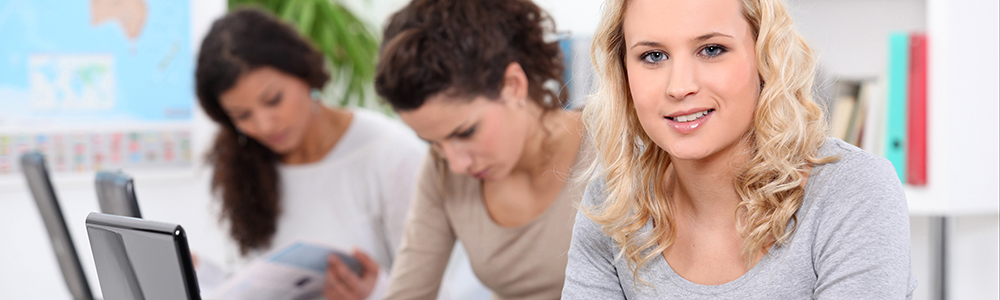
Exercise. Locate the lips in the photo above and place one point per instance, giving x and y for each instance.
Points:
(277, 138)
(684, 117)
(481, 174)
(688, 121)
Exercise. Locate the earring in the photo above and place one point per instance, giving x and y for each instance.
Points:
(315, 94)
(521, 104)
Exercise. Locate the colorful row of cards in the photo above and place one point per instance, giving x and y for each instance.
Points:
(86, 152)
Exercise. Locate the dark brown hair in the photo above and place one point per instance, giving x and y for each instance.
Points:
(245, 173)
(463, 48)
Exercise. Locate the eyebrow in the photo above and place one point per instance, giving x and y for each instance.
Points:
(450, 135)
(696, 39)
(710, 35)
(647, 43)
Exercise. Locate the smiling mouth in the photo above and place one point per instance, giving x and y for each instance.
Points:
(691, 117)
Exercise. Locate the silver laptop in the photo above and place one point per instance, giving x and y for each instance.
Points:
(37, 177)
(139, 259)
(116, 194)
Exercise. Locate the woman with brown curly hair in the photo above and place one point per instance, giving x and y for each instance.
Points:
(715, 178)
(471, 78)
(285, 166)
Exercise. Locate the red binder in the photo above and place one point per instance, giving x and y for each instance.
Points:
(916, 160)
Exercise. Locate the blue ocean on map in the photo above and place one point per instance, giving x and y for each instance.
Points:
(66, 63)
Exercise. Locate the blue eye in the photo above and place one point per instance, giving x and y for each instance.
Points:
(653, 57)
(713, 50)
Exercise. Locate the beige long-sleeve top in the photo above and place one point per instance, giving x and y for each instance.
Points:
(526, 262)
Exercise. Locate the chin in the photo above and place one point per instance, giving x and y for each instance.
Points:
(280, 149)
(687, 150)
(687, 155)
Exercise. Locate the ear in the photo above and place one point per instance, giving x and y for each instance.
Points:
(515, 85)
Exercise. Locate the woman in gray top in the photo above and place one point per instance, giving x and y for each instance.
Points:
(714, 178)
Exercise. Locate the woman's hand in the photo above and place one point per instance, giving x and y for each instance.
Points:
(342, 284)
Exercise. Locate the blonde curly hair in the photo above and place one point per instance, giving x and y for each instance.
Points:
(787, 130)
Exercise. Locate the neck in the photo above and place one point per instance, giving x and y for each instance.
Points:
(703, 189)
(324, 129)
(559, 132)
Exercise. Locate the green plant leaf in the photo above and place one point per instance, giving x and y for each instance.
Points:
(347, 42)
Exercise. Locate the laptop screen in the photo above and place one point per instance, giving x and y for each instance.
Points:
(37, 177)
(141, 259)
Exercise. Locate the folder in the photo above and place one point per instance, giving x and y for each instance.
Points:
(896, 102)
(916, 154)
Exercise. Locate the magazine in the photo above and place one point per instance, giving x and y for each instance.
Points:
(295, 272)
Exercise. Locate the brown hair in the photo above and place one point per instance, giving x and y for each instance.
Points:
(245, 173)
(463, 48)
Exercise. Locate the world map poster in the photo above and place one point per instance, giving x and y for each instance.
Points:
(96, 84)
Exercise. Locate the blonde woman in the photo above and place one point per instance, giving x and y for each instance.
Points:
(714, 178)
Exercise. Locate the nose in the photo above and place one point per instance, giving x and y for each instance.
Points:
(458, 159)
(683, 79)
(264, 121)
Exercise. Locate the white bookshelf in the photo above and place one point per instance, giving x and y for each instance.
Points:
(851, 37)
(954, 217)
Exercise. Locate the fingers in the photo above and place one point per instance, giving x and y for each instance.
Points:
(343, 275)
(369, 265)
(333, 288)
(342, 283)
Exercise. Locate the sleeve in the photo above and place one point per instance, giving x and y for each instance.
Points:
(427, 242)
(590, 270)
(862, 248)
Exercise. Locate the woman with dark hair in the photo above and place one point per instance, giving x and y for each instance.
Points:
(287, 167)
(471, 77)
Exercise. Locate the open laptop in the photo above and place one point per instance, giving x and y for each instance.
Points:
(116, 194)
(139, 259)
(37, 177)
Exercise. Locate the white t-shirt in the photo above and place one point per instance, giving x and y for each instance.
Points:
(358, 194)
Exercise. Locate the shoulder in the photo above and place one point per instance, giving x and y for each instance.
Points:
(858, 183)
(594, 194)
(594, 197)
(854, 170)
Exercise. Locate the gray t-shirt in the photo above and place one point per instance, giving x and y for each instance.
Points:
(852, 242)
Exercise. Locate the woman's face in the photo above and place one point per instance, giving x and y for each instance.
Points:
(271, 107)
(483, 138)
(692, 73)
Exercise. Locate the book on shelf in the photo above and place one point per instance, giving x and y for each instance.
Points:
(849, 111)
(843, 111)
(897, 97)
(872, 138)
(916, 151)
